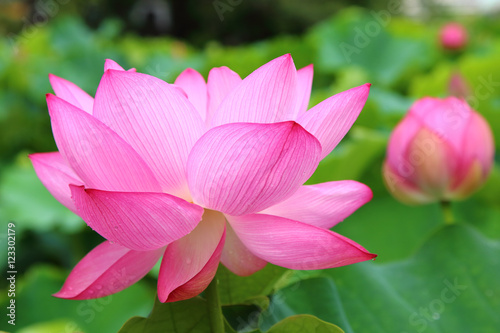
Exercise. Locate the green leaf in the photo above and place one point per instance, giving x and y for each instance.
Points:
(296, 299)
(242, 317)
(355, 38)
(304, 324)
(352, 157)
(189, 316)
(52, 327)
(234, 289)
(107, 314)
(24, 200)
(449, 285)
(376, 224)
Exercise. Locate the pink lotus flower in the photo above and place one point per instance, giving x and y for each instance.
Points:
(442, 150)
(199, 173)
(453, 36)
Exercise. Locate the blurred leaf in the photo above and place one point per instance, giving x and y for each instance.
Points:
(243, 318)
(304, 324)
(351, 158)
(52, 327)
(434, 84)
(357, 38)
(189, 316)
(482, 209)
(24, 200)
(234, 289)
(296, 299)
(390, 107)
(389, 228)
(450, 285)
(96, 315)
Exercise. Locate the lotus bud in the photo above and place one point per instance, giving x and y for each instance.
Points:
(453, 36)
(442, 150)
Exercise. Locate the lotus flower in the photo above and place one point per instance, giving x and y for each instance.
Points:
(441, 151)
(196, 173)
(453, 36)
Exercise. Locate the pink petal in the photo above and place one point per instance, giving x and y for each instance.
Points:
(243, 168)
(56, 175)
(323, 205)
(139, 221)
(294, 244)
(71, 93)
(107, 269)
(111, 64)
(221, 81)
(435, 162)
(399, 142)
(448, 118)
(196, 89)
(237, 258)
(97, 154)
(267, 95)
(157, 121)
(468, 183)
(404, 190)
(190, 263)
(330, 120)
(304, 85)
(478, 144)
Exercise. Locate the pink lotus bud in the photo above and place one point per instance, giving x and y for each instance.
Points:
(458, 86)
(453, 36)
(442, 150)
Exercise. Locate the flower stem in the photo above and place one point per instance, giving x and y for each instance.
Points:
(214, 307)
(447, 212)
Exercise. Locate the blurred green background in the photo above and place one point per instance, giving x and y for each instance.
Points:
(348, 45)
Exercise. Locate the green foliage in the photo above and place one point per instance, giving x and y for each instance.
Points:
(304, 324)
(248, 287)
(39, 312)
(188, 316)
(20, 185)
(191, 316)
(450, 284)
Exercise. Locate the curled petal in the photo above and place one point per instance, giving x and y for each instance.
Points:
(323, 205)
(107, 269)
(237, 258)
(294, 244)
(97, 154)
(56, 176)
(155, 119)
(221, 81)
(139, 221)
(267, 95)
(243, 168)
(111, 64)
(330, 120)
(304, 85)
(196, 89)
(71, 93)
(190, 263)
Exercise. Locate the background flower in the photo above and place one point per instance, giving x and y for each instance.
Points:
(453, 36)
(442, 150)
